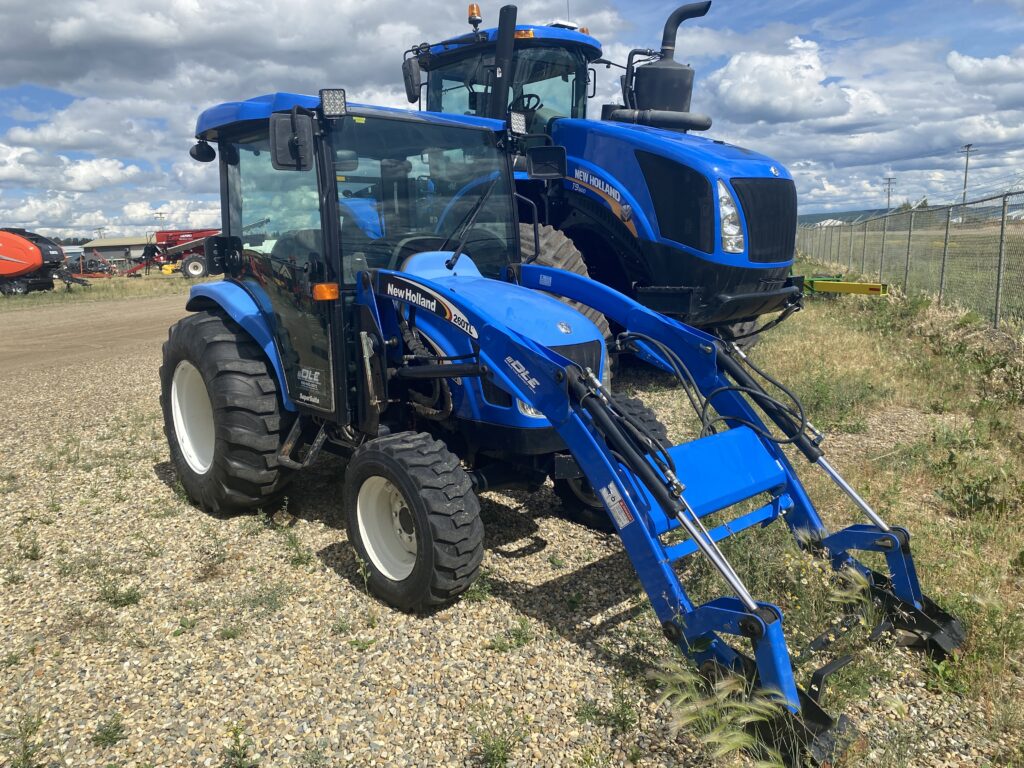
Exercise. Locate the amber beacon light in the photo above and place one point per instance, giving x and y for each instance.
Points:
(474, 14)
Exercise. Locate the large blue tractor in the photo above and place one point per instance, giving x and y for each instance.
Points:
(688, 226)
(375, 304)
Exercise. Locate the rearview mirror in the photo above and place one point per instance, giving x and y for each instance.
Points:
(291, 141)
(346, 160)
(546, 163)
(413, 79)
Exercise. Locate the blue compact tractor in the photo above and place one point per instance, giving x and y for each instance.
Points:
(376, 303)
(688, 226)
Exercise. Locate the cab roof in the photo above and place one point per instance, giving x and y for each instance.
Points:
(539, 35)
(211, 121)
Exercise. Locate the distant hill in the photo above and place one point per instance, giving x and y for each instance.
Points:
(810, 219)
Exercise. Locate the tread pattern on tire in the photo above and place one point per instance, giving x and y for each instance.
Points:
(573, 508)
(557, 250)
(453, 510)
(250, 423)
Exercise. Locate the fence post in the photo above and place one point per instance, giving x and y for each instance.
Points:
(945, 252)
(1002, 257)
(881, 256)
(906, 268)
(864, 251)
(839, 245)
(849, 256)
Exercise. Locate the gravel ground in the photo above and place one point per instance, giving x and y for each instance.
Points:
(142, 631)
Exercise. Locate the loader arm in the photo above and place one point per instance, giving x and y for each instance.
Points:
(648, 492)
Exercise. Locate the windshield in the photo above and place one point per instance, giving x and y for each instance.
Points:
(405, 187)
(548, 82)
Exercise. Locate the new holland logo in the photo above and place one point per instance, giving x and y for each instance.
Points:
(421, 296)
(774, 170)
(565, 328)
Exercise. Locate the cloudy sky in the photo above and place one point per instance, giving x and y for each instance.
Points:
(98, 98)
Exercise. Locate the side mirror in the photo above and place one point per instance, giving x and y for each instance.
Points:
(291, 141)
(591, 83)
(223, 254)
(202, 152)
(413, 79)
(346, 160)
(546, 163)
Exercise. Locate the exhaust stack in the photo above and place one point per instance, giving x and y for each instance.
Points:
(677, 17)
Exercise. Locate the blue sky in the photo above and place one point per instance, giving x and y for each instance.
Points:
(98, 99)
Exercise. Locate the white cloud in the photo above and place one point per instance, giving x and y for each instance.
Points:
(997, 69)
(778, 87)
(88, 175)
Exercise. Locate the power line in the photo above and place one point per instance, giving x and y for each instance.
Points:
(889, 180)
(965, 150)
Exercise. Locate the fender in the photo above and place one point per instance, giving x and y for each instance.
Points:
(244, 309)
(598, 184)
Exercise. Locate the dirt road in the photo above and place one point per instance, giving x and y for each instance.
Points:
(45, 337)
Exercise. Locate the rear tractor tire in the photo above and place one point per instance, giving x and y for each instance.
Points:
(413, 519)
(580, 503)
(194, 267)
(223, 417)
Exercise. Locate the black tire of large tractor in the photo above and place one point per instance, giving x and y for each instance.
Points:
(414, 520)
(741, 330)
(557, 250)
(579, 502)
(194, 267)
(223, 416)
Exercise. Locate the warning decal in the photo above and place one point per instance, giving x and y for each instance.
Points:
(617, 507)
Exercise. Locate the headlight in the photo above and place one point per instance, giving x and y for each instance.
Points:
(526, 410)
(732, 232)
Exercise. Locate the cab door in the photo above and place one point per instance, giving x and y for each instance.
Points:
(277, 215)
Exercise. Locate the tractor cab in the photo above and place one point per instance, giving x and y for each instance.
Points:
(551, 77)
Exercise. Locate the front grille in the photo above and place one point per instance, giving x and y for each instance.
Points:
(769, 207)
(682, 201)
(585, 355)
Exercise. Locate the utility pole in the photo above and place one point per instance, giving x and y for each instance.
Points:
(159, 216)
(966, 150)
(99, 232)
(889, 180)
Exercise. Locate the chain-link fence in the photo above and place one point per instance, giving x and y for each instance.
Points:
(971, 255)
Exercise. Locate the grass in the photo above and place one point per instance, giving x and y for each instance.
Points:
(119, 597)
(236, 753)
(496, 744)
(269, 598)
(621, 716)
(109, 732)
(512, 638)
(481, 589)
(105, 289)
(298, 555)
(25, 745)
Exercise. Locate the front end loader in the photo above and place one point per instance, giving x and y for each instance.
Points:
(382, 311)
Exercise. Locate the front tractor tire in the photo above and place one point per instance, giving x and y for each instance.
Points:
(580, 503)
(414, 520)
(223, 417)
(194, 267)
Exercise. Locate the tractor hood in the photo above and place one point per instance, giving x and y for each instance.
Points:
(712, 157)
(538, 316)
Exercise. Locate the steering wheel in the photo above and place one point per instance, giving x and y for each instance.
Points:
(400, 247)
(527, 102)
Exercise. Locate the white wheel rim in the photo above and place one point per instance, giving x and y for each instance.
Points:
(195, 268)
(192, 413)
(387, 528)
